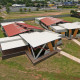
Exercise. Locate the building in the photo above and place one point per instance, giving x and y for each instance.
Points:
(37, 45)
(50, 23)
(22, 38)
(70, 30)
(73, 29)
(18, 5)
(15, 28)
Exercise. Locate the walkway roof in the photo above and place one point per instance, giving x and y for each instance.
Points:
(39, 38)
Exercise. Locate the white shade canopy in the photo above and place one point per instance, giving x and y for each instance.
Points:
(58, 29)
(39, 38)
(70, 25)
(13, 44)
(8, 39)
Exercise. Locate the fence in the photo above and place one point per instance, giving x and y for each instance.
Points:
(32, 18)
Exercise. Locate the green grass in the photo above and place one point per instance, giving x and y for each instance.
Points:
(70, 47)
(33, 23)
(78, 39)
(16, 15)
(56, 67)
(34, 12)
(71, 19)
(1, 34)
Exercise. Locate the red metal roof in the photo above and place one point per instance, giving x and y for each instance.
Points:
(14, 29)
(49, 20)
(29, 26)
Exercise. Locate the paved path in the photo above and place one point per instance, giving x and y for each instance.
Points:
(76, 41)
(69, 56)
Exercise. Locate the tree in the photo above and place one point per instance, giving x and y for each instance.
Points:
(29, 9)
(25, 9)
(27, 4)
(9, 4)
(38, 5)
(0, 8)
(8, 10)
(1, 19)
(21, 10)
(37, 9)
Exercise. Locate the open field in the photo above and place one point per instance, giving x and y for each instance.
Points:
(71, 19)
(16, 15)
(56, 67)
(32, 23)
(1, 34)
(71, 47)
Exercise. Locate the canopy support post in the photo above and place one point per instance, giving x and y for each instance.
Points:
(75, 33)
(70, 33)
(50, 46)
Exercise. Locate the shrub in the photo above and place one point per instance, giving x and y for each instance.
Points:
(29, 9)
(46, 11)
(21, 10)
(8, 10)
(1, 18)
(25, 9)
(37, 9)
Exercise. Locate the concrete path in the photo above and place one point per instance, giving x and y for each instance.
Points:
(69, 56)
(76, 41)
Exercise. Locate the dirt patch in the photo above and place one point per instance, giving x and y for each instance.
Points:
(44, 14)
(11, 16)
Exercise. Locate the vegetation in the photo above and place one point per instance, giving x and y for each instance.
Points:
(21, 10)
(71, 19)
(74, 13)
(7, 9)
(56, 67)
(9, 4)
(1, 18)
(67, 6)
(1, 33)
(26, 2)
(0, 8)
(70, 47)
(29, 9)
(25, 9)
(37, 9)
(16, 15)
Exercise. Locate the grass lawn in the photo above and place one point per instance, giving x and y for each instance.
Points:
(1, 34)
(79, 39)
(32, 23)
(15, 15)
(56, 67)
(71, 47)
(71, 19)
(25, 14)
